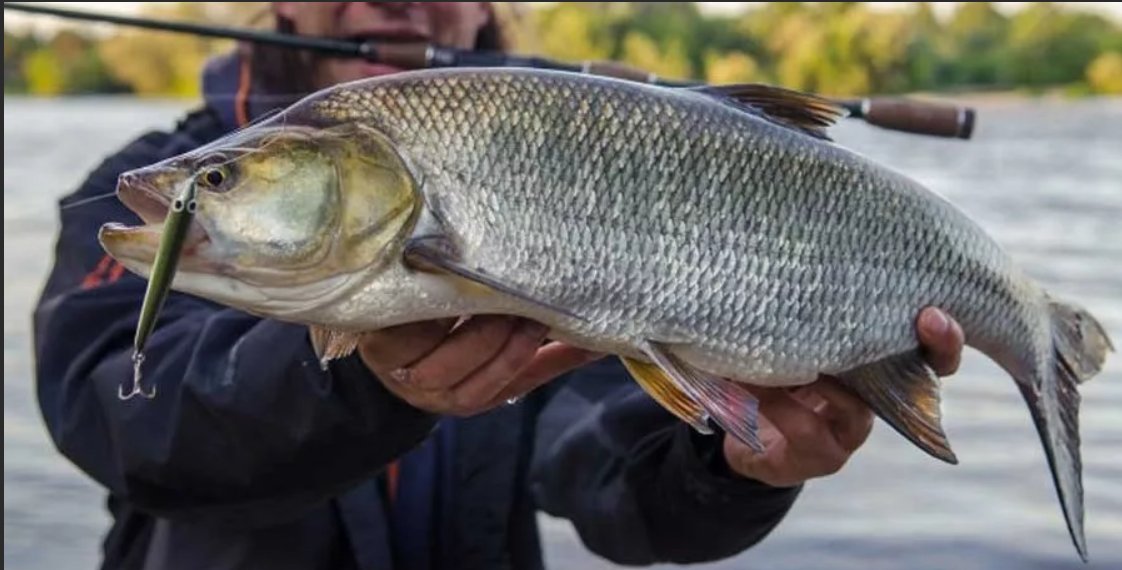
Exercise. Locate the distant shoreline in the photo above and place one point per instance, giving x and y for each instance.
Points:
(1009, 96)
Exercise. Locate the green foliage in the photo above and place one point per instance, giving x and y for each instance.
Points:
(43, 72)
(68, 63)
(840, 48)
(1104, 75)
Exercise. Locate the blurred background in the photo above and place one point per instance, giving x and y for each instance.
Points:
(840, 48)
(1043, 173)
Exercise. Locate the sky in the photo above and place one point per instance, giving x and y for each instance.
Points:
(1108, 8)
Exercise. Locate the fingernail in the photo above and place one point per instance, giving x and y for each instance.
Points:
(938, 322)
(400, 375)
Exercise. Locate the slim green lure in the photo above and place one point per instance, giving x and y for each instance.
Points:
(174, 235)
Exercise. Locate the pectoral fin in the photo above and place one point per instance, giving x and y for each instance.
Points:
(430, 249)
(734, 408)
(667, 393)
(331, 344)
(905, 392)
(431, 253)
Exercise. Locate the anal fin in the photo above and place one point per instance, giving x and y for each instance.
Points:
(667, 393)
(331, 344)
(730, 405)
(905, 392)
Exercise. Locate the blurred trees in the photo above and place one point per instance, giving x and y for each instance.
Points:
(1104, 75)
(839, 48)
(162, 63)
(66, 63)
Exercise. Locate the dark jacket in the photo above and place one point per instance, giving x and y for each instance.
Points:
(251, 457)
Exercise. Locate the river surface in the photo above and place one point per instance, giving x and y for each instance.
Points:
(1044, 178)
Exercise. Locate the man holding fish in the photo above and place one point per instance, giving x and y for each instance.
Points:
(435, 443)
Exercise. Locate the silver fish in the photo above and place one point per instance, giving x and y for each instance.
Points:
(711, 237)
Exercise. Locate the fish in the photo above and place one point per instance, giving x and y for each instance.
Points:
(713, 238)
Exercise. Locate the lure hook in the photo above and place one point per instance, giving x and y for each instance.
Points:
(137, 359)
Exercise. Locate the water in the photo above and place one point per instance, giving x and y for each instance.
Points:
(1046, 179)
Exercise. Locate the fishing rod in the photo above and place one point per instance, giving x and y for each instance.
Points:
(893, 113)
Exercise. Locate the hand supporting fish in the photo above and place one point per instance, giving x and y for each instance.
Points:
(813, 430)
(467, 369)
(175, 230)
(464, 370)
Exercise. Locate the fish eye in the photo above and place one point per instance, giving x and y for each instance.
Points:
(213, 176)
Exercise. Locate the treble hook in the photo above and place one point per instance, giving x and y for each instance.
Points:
(137, 359)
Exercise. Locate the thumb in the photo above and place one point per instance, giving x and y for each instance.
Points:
(942, 340)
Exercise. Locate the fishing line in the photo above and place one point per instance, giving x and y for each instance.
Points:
(85, 201)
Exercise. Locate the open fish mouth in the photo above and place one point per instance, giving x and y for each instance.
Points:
(135, 246)
(144, 201)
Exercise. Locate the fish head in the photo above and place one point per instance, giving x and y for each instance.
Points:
(285, 214)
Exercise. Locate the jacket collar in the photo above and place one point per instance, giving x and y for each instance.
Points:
(228, 88)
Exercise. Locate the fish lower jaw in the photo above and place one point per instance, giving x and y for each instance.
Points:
(203, 272)
(136, 246)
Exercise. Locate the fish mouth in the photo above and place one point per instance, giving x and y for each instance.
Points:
(135, 246)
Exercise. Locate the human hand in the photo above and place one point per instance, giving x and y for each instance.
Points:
(813, 430)
(467, 369)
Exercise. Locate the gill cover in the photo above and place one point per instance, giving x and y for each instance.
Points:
(295, 204)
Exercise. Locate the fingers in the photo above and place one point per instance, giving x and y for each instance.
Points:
(942, 340)
(475, 344)
(821, 425)
(849, 418)
(480, 390)
(812, 432)
(536, 369)
(394, 347)
(812, 448)
(548, 363)
(469, 367)
(478, 365)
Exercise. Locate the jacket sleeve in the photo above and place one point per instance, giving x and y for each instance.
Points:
(639, 486)
(245, 427)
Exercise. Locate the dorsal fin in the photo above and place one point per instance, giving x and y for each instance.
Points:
(799, 110)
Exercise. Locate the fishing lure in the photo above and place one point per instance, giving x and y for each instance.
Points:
(175, 230)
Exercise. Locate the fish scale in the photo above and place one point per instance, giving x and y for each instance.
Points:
(713, 238)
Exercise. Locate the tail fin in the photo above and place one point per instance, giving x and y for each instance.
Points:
(1079, 348)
